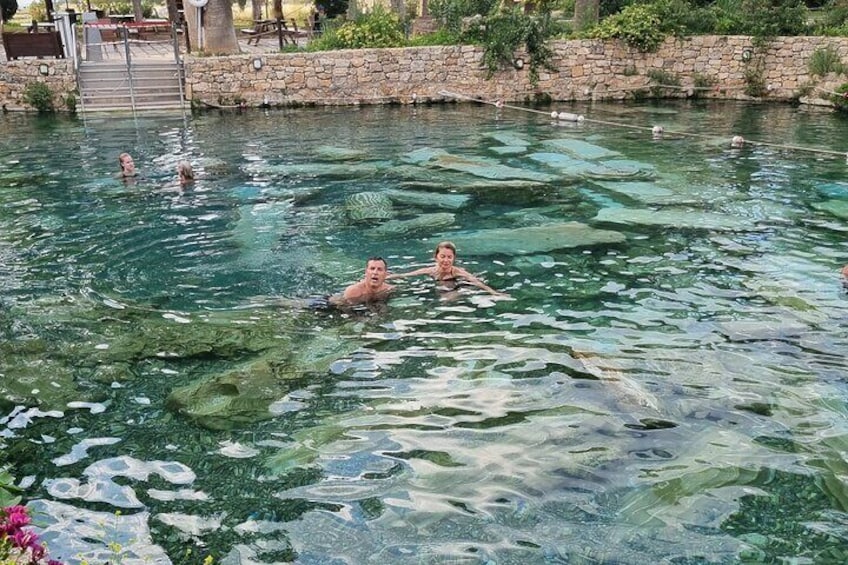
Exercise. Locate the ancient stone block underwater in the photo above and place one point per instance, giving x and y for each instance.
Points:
(668, 383)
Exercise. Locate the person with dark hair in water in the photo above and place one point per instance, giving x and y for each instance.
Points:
(845, 278)
(446, 273)
(372, 287)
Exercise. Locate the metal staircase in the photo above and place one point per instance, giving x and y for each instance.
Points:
(118, 71)
(142, 85)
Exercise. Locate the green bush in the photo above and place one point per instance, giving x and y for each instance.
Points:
(759, 18)
(71, 102)
(440, 37)
(833, 19)
(39, 96)
(147, 8)
(38, 11)
(503, 32)
(662, 80)
(638, 25)
(840, 98)
(377, 28)
(451, 12)
(755, 80)
(825, 60)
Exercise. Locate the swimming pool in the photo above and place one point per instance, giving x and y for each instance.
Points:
(668, 383)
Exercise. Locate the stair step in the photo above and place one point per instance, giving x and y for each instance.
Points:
(106, 86)
(125, 83)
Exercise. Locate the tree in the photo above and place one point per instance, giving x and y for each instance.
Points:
(585, 13)
(8, 8)
(219, 33)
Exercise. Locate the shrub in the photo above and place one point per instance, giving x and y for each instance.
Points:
(825, 60)
(840, 98)
(377, 28)
(39, 96)
(833, 20)
(638, 25)
(755, 80)
(147, 8)
(451, 12)
(662, 80)
(440, 37)
(71, 102)
(759, 18)
(503, 32)
(701, 83)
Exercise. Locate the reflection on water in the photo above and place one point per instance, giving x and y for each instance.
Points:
(668, 384)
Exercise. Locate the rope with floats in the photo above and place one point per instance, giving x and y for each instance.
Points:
(736, 141)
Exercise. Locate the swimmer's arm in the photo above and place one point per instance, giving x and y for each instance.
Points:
(476, 282)
(415, 273)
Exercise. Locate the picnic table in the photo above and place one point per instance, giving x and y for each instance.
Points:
(268, 27)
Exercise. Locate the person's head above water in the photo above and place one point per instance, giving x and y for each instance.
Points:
(127, 164)
(372, 287)
(376, 270)
(185, 171)
(445, 255)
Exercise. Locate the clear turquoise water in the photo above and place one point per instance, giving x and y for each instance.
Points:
(678, 396)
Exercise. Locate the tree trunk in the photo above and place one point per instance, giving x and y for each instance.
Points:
(585, 14)
(137, 10)
(256, 8)
(219, 35)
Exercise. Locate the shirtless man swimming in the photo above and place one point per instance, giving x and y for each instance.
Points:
(372, 287)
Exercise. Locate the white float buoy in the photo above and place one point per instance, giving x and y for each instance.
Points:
(568, 116)
(737, 141)
(554, 114)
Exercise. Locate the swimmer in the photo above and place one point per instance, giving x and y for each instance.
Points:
(444, 271)
(845, 278)
(127, 165)
(185, 172)
(372, 287)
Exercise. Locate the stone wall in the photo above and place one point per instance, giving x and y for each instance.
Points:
(711, 66)
(16, 75)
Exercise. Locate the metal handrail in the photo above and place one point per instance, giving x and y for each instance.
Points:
(179, 61)
(126, 37)
(77, 64)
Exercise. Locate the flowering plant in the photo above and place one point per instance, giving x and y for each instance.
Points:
(18, 545)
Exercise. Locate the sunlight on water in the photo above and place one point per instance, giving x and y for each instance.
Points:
(665, 383)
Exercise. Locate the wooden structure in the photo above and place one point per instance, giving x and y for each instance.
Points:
(39, 44)
(285, 32)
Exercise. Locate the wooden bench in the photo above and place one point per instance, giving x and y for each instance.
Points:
(39, 44)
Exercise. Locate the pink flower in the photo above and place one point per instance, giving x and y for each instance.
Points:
(24, 540)
(23, 543)
(16, 516)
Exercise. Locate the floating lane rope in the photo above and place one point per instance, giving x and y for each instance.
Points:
(656, 131)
